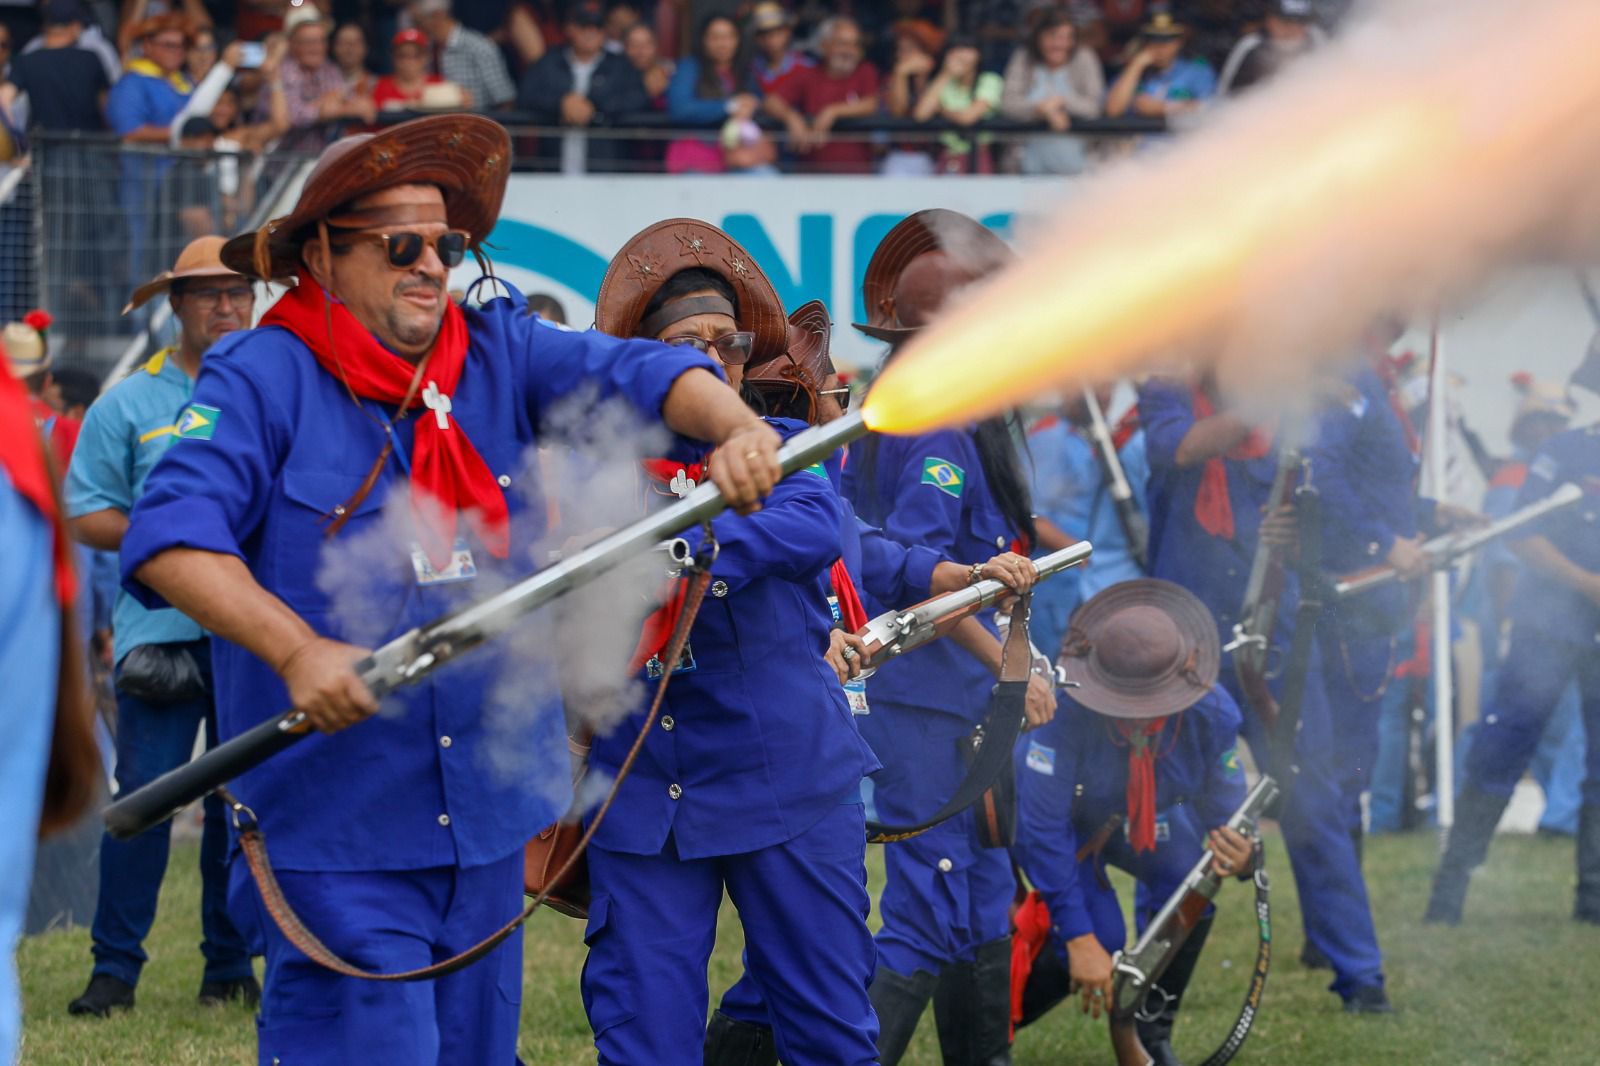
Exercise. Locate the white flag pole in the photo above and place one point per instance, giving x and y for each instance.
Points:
(1443, 667)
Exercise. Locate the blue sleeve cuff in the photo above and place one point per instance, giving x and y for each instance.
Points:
(197, 523)
(1069, 918)
(920, 562)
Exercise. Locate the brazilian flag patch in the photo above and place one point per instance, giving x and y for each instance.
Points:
(818, 469)
(1230, 761)
(943, 475)
(198, 422)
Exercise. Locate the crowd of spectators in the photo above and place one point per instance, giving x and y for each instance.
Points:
(775, 86)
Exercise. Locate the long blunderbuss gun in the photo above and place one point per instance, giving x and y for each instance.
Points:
(1443, 551)
(894, 633)
(1251, 640)
(1137, 970)
(413, 655)
(1129, 514)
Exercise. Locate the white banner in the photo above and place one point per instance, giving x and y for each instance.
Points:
(812, 236)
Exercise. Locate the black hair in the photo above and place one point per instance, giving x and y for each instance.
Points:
(547, 307)
(709, 86)
(1053, 19)
(79, 387)
(694, 279)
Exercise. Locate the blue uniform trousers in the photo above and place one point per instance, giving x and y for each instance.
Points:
(803, 905)
(1558, 765)
(943, 895)
(152, 739)
(389, 920)
(1320, 817)
(1533, 676)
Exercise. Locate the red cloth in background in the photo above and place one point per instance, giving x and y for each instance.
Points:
(814, 89)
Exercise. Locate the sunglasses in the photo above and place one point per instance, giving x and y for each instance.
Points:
(404, 249)
(841, 396)
(732, 348)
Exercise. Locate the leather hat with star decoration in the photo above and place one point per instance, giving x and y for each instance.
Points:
(653, 255)
(467, 157)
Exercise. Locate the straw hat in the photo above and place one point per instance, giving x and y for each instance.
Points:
(200, 258)
(1141, 649)
(25, 351)
(467, 157)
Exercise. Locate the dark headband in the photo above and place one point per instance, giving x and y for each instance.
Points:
(678, 310)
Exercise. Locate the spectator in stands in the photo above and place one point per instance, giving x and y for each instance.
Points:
(1159, 81)
(531, 28)
(644, 52)
(65, 84)
(621, 18)
(153, 88)
(1285, 36)
(465, 56)
(582, 86)
(844, 86)
(91, 37)
(776, 63)
(548, 308)
(1054, 79)
(27, 351)
(403, 90)
(964, 94)
(917, 44)
(350, 56)
(202, 54)
(712, 86)
(135, 12)
(318, 103)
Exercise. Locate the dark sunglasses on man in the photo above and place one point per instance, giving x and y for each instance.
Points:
(732, 348)
(404, 249)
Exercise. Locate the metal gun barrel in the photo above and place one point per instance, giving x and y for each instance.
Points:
(412, 655)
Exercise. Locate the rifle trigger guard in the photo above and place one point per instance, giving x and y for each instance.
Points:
(1145, 1013)
(1243, 639)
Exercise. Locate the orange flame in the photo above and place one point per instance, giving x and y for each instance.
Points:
(1375, 176)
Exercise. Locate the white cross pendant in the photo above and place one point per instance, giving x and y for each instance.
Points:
(438, 403)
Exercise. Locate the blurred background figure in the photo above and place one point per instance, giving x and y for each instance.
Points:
(548, 308)
(1160, 81)
(1054, 78)
(1286, 34)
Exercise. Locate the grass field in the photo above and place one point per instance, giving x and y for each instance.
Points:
(1516, 986)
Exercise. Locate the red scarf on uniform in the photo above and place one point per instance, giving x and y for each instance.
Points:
(1142, 739)
(660, 623)
(445, 468)
(22, 456)
(1212, 507)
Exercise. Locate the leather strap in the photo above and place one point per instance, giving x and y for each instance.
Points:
(254, 846)
(1258, 977)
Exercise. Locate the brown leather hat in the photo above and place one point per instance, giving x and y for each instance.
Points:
(806, 365)
(653, 255)
(1141, 649)
(919, 263)
(199, 259)
(468, 157)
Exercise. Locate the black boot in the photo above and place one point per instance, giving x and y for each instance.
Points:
(730, 1042)
(972, 1008)
(1049, 983)
(1586, 908)
(247, 990)
(1477, 814)
(104, 995)
(1167, 995)
(899, 1002)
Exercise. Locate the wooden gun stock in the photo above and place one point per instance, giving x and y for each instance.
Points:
(1126, 1043)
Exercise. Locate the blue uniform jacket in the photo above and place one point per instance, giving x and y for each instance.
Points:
(1213, 568)
(756, 743)
(1541, 602)
(426, 782)
(1072, 777)
(930, 490)
(1366, 473)
(885, 571)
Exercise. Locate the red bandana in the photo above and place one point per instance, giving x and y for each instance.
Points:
(23, 457)
(445, 467)
(1031, 932)
(1212, 507)
(852, 615)
(658, 627)
(1142, 738)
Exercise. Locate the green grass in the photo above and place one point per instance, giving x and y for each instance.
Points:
(1515, 986)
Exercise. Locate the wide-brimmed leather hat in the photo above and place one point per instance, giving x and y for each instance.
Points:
(805, 367)
(919, 263)
(467, 157)
(200, 258)
(653, 255)
(1141, 649)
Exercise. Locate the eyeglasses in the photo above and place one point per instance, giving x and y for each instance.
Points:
(157, 42)
(841, 396)
(404, 249)
(732, 348)
(211, 297)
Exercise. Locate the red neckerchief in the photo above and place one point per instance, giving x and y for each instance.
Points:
(1142, 739)
(1031, 922)
(1125, 428)
(445, 467)
(23, 456)
(851, 614)
(1387, 368)
(1212, 507)
(659, 624)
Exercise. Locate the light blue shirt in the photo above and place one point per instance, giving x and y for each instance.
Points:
(1070, 489)
(124, 433)
(1186, 79)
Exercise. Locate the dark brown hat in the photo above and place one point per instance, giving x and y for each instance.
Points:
(653, 255)
(1141, 649)
(467, 157)
(919, 263)
(805, 367)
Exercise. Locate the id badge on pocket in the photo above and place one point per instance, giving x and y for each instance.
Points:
(460, 568)
(855, 694)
